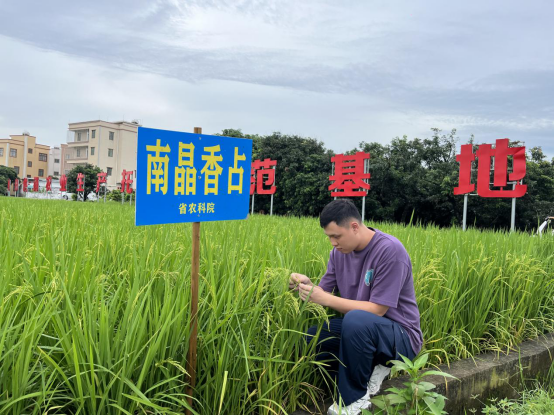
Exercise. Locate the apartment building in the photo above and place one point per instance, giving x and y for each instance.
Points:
(110, 146)
(54, 162)
(22, 153)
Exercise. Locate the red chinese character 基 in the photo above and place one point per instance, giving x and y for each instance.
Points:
(257, 172)
(484, 154)
(101, 179)
(80, 182)
(349, 175)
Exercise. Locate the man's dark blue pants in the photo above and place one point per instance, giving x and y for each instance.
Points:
(361, 340)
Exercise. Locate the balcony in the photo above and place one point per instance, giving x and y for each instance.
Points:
(76, 154)
(77, 137)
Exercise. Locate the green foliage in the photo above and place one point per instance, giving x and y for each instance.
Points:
(5, 174)
(417, 397)
(91, 178)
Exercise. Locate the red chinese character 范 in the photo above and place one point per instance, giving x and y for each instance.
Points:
(80, 182)
(101, 179)
(63, 183)
(126, 181)
(49, 184)
(257, 172)
(484, 154)
(35, 184)
(349, 175)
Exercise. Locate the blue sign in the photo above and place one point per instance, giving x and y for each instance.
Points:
(186, 177)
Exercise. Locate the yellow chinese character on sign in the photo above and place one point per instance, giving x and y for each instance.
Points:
(235, 170)
(183, 209)
(201, 207)
(192, 208)
(212, 170)
(185, 178)
(157, 168)
(211, 207)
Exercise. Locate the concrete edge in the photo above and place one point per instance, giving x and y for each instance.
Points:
(482, 377)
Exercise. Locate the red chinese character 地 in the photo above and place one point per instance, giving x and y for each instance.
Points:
(80, 182)
(484, 154)
(49, 184)
(101, 179)
(257, 172)
(63, 183)
(35, 184)
(349, 175)
(126, 181)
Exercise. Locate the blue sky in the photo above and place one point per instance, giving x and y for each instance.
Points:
(341, 72)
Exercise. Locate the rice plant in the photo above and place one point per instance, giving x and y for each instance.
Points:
(94, 313)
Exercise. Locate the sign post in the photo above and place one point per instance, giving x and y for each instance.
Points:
(191, 177)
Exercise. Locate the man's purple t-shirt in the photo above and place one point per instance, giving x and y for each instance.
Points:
(380, 273)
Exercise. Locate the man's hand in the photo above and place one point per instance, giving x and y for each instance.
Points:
(313, 293)
(296, 279)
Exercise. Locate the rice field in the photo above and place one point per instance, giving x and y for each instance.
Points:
(94, 313)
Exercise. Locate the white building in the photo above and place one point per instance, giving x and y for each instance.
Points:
(54, 162)
(110, 146)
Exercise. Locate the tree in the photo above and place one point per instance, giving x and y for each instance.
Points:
(91, 177)
(5, 174)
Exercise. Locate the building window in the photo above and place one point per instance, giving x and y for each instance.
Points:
(92, 151)
(30, 151)
(41, 172)
(109, 171)
(42, 157)
(56, 160)
(110, 152)
(78, 152)
(79, 136)
(29, 164)
(56, 173)
(13, 152)
(111, 135)
(67, 155)
(29, 176)
(94, 134)
(16, 168)
(1, 151)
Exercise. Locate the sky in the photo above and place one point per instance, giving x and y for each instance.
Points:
(338, 71)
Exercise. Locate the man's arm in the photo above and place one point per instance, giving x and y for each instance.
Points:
(317, 295)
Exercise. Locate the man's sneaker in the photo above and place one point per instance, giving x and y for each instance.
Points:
(380, 372)
(352, 409)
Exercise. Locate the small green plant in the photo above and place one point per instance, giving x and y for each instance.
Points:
(417, 397)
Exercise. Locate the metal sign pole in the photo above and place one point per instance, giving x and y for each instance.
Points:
(465, 213)
(252, 210)
(274, 184)
(513, 225)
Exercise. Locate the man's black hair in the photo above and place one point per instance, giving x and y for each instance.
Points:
(339, 211)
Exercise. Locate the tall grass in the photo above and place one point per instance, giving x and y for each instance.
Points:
(94, 312)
